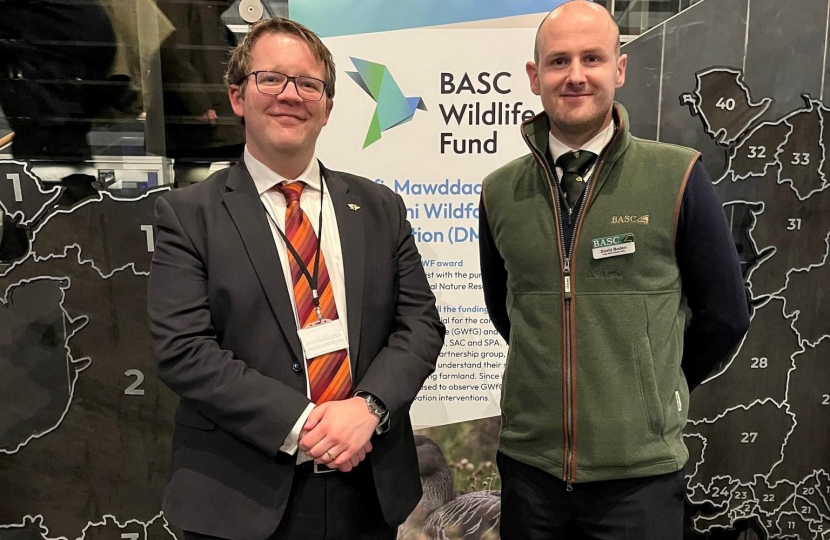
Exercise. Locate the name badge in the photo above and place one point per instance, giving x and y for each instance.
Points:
(613, 246)
(322, 338)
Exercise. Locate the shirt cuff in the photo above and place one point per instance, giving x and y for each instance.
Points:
(383, 425)
(293, 440)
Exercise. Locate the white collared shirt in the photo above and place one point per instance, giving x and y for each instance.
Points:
(595, 145)
(264, 180)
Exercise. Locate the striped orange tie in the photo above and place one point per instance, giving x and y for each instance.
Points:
(328, 375)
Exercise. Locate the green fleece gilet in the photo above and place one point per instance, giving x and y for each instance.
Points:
(613, 402)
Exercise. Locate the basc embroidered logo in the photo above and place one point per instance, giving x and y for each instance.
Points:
(393, 109)
(619, 220)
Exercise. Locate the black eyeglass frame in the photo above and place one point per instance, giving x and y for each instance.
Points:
(288, 79)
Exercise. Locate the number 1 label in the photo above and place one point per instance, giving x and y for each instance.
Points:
(18, 190)
(151, 244)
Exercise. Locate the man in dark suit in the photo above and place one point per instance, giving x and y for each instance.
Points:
(291, 314)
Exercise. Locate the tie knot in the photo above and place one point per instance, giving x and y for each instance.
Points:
(575, 162)
(291, 190)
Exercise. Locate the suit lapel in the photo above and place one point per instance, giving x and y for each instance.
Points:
(353, 245)
(248, 214)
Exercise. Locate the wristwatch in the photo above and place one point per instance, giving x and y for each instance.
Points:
(375, 406)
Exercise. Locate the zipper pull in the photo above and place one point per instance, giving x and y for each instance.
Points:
(567, 277)
(569, 487)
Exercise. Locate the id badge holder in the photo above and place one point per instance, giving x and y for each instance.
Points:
(322, 337)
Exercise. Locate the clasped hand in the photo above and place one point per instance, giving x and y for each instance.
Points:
(337, 433)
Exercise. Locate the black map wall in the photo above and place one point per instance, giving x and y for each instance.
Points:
(744, 81)
(85, 424)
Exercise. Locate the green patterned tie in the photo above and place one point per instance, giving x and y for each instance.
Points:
(574, 165)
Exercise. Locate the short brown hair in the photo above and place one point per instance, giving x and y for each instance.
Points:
(239, 65)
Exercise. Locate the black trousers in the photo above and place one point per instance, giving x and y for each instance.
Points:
(330, 506)
(537, 506)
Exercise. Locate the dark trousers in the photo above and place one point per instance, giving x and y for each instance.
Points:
(330, 506)
(537, 506)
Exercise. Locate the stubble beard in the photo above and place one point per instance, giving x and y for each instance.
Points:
(579, 122)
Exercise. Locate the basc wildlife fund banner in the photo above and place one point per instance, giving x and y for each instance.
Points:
(429, 113)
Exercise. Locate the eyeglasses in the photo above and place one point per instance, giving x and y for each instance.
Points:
(273, 83)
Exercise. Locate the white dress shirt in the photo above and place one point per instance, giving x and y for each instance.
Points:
(265, 179)
(595, 145)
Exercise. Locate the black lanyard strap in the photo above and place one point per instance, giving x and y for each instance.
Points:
(311, 278)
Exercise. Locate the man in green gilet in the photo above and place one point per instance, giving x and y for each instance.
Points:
(594, 248)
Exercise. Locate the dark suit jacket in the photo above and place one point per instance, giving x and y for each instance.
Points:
(226, 343)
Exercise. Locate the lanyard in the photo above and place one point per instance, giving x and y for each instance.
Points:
(311, 278)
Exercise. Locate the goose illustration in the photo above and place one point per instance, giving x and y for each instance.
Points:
(442, 516)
